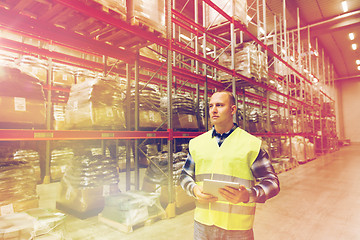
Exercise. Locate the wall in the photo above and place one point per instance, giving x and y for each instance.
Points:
(348, 109)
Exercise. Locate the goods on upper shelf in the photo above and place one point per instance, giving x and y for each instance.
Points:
(118, 6)
(236, 9)
(22, 100)
(148, 12)
(96, 104)
(249, 62)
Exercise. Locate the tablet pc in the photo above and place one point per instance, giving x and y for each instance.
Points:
(212, 187)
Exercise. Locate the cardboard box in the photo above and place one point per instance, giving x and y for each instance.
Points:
(22, 110)
(185, 121)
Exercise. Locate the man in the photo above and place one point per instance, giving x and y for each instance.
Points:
(227, 153)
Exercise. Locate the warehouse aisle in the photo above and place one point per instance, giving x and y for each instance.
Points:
(318, 200)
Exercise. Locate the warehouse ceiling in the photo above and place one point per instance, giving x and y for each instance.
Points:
(331, 26)
(327, 21)
(67, 22)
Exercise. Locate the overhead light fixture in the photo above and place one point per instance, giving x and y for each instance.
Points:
(351, 36)
(359, 68)
(354, 46)
(358, 62)
(344, 6)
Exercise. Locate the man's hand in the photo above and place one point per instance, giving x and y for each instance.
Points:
(234, 195)
(203, 197)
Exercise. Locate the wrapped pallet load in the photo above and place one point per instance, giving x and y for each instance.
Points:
(17, 186)
(235, 9)
(149, 13)
(96, 103)
(184, 111)
(249, 62)
(149, 107)
(118, 6)
(88, 179)
(22, 100)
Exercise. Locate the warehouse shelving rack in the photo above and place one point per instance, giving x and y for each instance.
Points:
(198, 77)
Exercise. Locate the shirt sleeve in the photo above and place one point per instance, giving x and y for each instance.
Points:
(187, 176)
(268, 183)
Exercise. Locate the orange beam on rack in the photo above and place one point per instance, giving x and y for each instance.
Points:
(42, 135)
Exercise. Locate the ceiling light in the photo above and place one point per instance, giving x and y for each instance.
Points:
(359, 68)
(344, 6)
(351, 36)
(354, 46)
(358, 62)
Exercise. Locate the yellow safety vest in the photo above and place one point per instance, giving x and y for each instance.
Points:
(229, 162)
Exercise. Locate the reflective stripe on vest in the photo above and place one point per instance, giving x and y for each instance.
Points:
(240, 150)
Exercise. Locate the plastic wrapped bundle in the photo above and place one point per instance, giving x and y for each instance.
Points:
(236, 9)
(149, 106)
(131, 208)
(184, 111)
(31, 157)
(118, 6)
(22, 100)
(17, 226)
(150, 13)
(59, 160)
(48, 224)
(87, 180)
(96, 103)
(18, 185)
(254, 121)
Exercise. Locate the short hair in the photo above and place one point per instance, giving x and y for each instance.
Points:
(230, 95)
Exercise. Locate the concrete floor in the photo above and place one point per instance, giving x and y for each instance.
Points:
(318, 200)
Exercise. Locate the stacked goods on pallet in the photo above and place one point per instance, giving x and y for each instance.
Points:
(249, 62)
(59, 161)
(48, 224)
(184, 111)
(302, 149)
(150, 13)
(34, 66)
(22, 100)
(96, 104)
(126, 210)
(32, 157)
(149, 106)
(16, 226)
(34, 223)
(118, 6)
(87, 180)
(17, 185)
(236, 9)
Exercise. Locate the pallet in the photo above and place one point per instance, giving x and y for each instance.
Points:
(130, 228)
(78, 214)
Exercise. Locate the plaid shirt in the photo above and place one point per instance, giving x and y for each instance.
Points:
(268, 183)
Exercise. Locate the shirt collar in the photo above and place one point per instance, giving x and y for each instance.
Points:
(215, 133)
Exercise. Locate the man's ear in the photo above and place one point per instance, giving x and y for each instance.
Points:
(233, 109)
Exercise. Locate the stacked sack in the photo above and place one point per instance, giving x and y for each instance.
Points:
(96, 104)
(32, 157)
(18, 185)
(87, 180)
(22, 100)
(149, 106)
(249, 62)
(59, 161)
(184, 111)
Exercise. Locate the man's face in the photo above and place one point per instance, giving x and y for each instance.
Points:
(220, 109)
